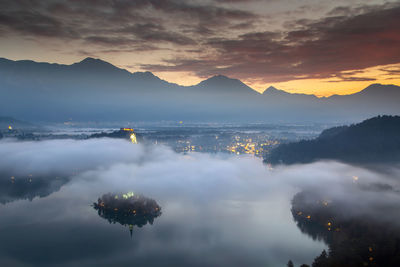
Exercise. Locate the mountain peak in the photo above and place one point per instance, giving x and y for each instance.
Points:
(273, 91)
(144, 74)
(93, 61)
(221, 83)
(220, 77)
(97, 65)
(88, 59)
(221, 80)
(147, 76)
(271, 88)
(224, 84)
(378, 86)
(378, 89)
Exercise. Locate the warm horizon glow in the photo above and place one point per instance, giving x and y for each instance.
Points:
(306, 46)
(318, 87)
(332, 86)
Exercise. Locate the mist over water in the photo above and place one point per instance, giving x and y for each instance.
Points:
(216, 209)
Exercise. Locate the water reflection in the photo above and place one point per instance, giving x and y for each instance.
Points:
(127, 209)
(17, 187)
(212, 230)
(216, 210)
(355, 239)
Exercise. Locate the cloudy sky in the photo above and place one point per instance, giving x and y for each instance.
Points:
(320, 47)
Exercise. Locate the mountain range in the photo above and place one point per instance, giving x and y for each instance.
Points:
(95, 90)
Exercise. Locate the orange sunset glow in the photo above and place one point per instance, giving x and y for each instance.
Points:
(310, 47)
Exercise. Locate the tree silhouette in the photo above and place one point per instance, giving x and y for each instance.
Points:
(376, 140)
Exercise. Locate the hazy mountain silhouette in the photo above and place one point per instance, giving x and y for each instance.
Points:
(376, 140)
(223, 84)
(93, 89)
(272, 91)
(298, 107)
(14, 123)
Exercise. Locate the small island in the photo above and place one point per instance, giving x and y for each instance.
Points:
(124, 133)
(127, 209)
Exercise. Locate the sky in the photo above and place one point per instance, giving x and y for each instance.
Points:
(301, 46)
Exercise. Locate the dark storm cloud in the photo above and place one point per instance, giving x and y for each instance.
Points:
(346, 43)
(201, 12)
(353, 79)
(199, 29)
(119, 23)
(103, 40)
(243, 26)
(144, 32)
(316, 49)
(36, 24)
(154, 32)
(228, 40)
(356, 10)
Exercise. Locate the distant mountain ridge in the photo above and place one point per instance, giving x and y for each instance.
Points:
(93, 89)
(224, 84)
(94, 64)
(376, 140)
(272, 90)
(5, 122)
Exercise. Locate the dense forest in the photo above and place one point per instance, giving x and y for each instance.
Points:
(364, 239)
(376, 140)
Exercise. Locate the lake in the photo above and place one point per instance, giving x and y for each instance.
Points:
(217, 210)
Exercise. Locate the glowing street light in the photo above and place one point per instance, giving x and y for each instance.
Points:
(133, 138)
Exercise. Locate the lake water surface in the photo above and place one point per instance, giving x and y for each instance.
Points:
(216, 211)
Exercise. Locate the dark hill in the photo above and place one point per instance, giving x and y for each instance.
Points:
(376, 140)
(16, 124)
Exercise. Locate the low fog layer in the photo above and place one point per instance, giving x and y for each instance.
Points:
(234, 209)
(150, 169)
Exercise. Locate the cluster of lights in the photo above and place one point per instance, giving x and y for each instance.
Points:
(127, 129)
(249, 147)
(132, 136)
(237, 145)
(328, 224)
